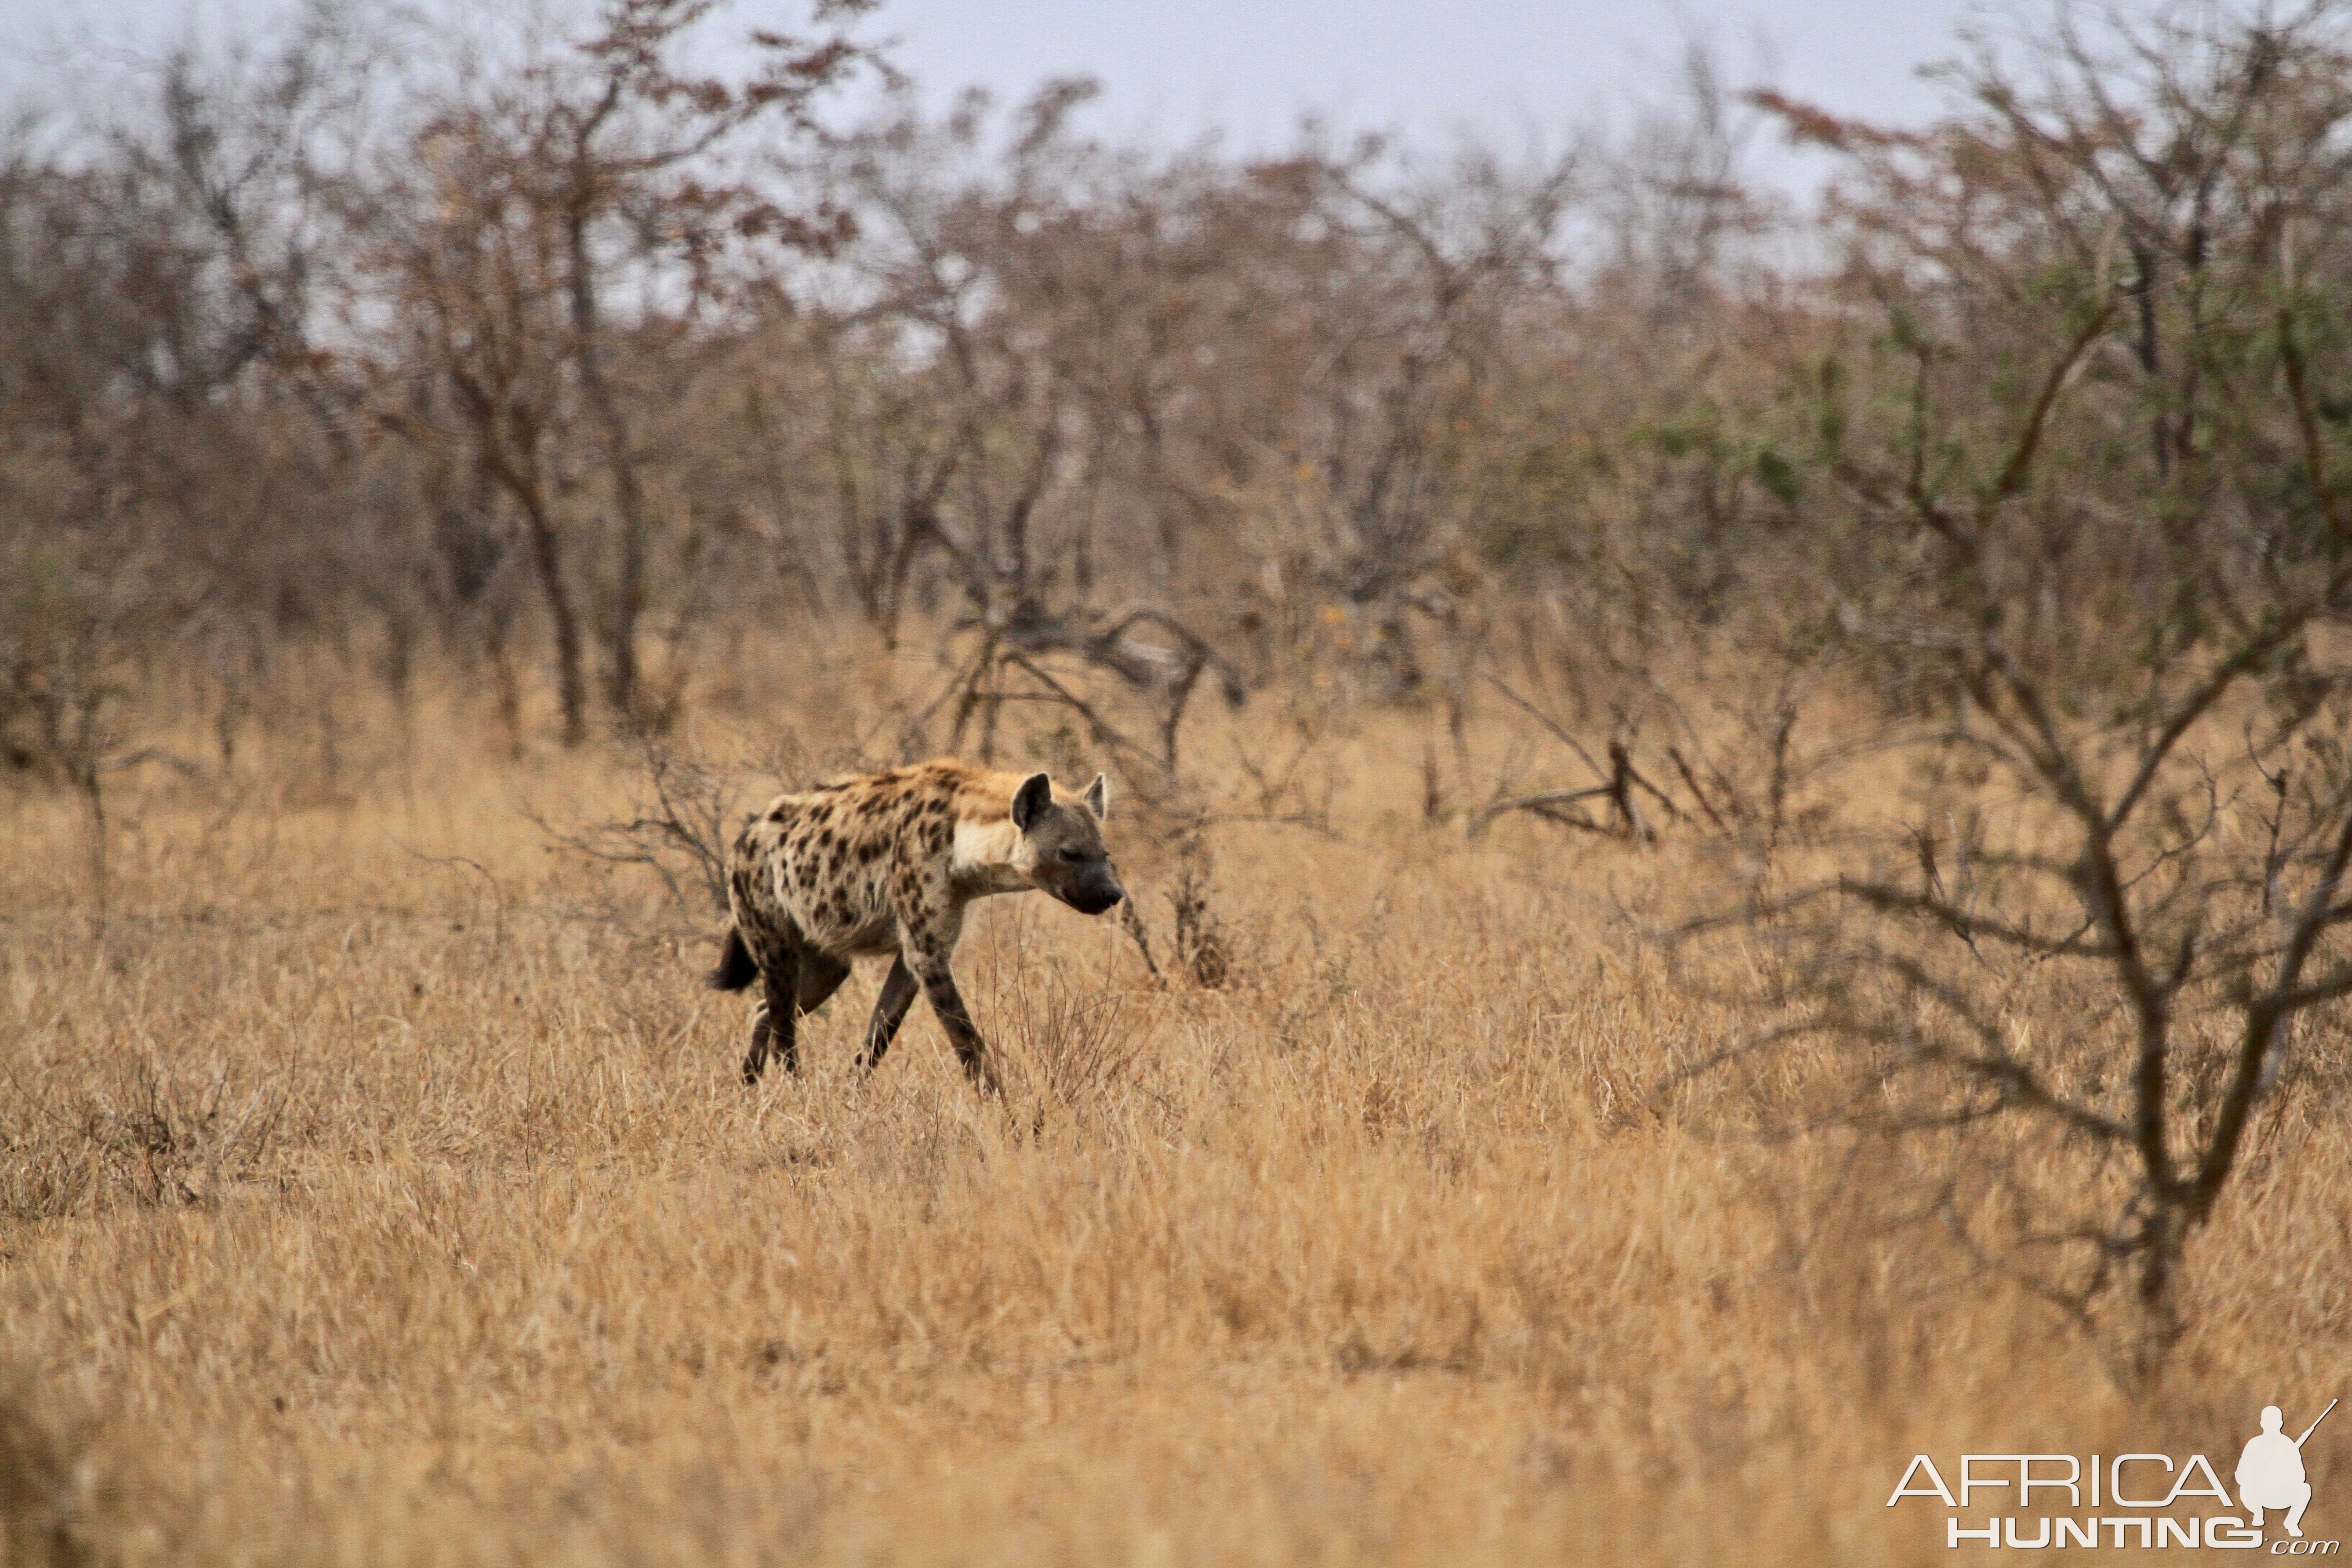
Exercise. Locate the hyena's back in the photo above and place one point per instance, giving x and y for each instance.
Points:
(838, 864)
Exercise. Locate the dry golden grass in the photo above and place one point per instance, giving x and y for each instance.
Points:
(358, 1204)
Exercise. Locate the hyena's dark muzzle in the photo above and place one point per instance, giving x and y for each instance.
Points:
(1096, 894)
(1091, 887)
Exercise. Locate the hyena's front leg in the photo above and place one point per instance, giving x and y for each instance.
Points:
(947, 1003)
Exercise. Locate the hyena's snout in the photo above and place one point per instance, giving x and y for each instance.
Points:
(1097, 891)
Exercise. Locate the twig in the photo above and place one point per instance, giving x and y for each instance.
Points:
(1697, 793)
(498, 892)
(1546, 806)
(1540, 717)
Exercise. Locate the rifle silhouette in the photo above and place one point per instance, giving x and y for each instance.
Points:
(2314, 1426)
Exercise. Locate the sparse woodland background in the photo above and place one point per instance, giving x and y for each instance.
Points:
(1740, 815)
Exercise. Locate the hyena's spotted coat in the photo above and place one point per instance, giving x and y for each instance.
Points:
(887, 863)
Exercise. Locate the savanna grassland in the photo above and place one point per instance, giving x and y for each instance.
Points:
(376, 1187)
(442, 456)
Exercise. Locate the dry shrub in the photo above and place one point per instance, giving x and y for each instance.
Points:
(1203, 945)
(1077, 1050)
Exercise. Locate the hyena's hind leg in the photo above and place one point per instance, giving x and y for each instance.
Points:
(815, 978)
(797, 980)
(775, 954)
(772, 1024)
(889, 1012)
(739, 966)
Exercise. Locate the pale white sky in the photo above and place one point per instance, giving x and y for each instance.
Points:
(1174, 68)
(1249, 65)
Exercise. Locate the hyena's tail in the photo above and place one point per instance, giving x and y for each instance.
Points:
(736, 968)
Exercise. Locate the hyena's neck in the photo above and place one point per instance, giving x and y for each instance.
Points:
(989, 856)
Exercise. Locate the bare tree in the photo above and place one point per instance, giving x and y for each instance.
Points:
(2115, 878)
(532, 203)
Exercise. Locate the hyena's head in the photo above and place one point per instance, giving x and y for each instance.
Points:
(1065, 844)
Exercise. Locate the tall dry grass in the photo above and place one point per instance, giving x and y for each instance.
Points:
(378, 1188)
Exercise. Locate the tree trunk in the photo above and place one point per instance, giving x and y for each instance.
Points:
(2155, 1324)
(546, 553)
(509, 694)
(92, 784)
(622, 678)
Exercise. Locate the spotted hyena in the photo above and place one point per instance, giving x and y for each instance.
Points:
(887, 863)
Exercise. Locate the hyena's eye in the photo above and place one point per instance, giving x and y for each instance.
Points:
(1072, 856)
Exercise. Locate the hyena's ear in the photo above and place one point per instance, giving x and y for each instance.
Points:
(1030, 801)
(1099, 798)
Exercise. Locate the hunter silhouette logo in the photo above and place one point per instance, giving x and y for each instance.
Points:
(2142, 1500)
(2270, 1472)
